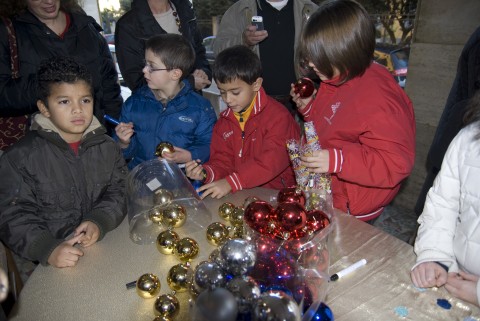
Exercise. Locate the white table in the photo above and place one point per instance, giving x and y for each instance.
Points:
(95, 289)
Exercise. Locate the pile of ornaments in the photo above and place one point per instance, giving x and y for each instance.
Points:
(225, 290)
(289, 220)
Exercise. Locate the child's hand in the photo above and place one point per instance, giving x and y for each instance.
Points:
(300, 102)
(217, 189)
(179, 156)
(89, 233)
(66, 254)
(463, 286)
(428, 274)
(124, 132)
(318, 162)
(194, 170)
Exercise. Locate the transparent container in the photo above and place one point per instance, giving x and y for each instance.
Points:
(159, 184)
(300, 266)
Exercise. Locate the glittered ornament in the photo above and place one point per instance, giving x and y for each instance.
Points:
(167, 306)
(209, 275)
(258, 215)
(236, 232)
(215, 305)
(179, 277)
(317, 220)
(276, 306)
(164, 147)
(291, 194)
(186, 249)
(304, 87)
(162, 197)
(148, 286)
(155, 215)
(217, 233)
(245, 290)
(239, 256)
(166, 241)
(236, 219)
(216, 258)
(225, 210)
(290, 216)
(174, 215)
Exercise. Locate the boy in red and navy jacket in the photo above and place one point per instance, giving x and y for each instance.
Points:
(248, 147)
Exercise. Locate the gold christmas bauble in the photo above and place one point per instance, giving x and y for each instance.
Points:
(217, 233)
(186, 249)
(148, 286)
(166, 241)
(225, 210)
(155, 215)
(161, 318)
(237, 232)
(164, 147)
(179, 277)
(162, 197)
(236, 219)
(167, 306)
(174, 215)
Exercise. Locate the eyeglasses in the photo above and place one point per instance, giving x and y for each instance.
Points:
(150, 69)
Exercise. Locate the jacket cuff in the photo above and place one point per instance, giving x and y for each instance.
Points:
(210, 174)
(234, 181)
(42, 247)
(335, 160)
(102, 220)
(306, 110)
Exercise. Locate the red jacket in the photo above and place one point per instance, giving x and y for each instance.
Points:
(368, 126)
(261, 157)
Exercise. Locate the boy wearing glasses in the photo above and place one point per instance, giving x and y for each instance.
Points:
(166, 108)
(249, 140)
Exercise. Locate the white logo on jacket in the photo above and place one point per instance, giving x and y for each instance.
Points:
(185, 119)
(227, 134)
(334, 108)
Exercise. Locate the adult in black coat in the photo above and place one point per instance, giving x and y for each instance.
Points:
(140, 23)
(466, 83)
(46, 29)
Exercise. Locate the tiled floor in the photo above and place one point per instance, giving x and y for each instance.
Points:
(398, 221)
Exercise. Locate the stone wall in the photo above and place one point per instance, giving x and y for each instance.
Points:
(442, 28)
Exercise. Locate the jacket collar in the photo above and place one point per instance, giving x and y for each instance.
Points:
(260, 105)
(49, 131)
(174, 105)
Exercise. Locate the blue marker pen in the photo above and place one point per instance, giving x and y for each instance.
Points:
(111, 120)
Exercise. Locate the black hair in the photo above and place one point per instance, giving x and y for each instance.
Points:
(59, 70)
(237, 62)
(341, 35)
(174, 50)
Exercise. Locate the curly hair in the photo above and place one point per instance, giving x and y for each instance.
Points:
(59, 70)
(11, 8)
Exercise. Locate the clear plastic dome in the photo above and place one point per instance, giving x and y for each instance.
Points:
(156, 187)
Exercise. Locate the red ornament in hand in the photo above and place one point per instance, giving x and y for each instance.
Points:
(291, 194)
(290, 216)
(258, 215)
(304, 87)
(317, 220)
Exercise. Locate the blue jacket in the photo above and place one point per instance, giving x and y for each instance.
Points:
(186, 121)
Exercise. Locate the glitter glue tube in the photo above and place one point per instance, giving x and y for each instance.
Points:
(348, 270)
(111, 120)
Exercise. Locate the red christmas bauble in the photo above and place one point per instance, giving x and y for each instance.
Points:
(290, 216)
(291, 194)
(258, 215)
(304, 87)
(317, 220)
